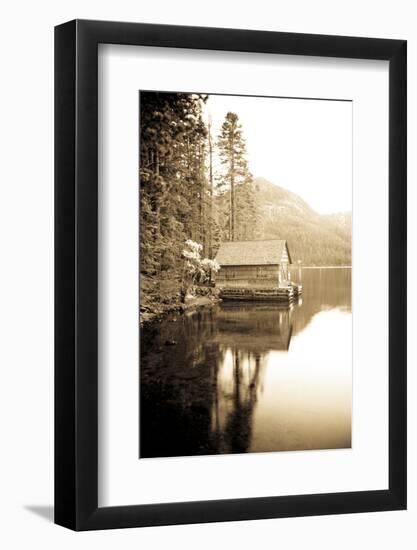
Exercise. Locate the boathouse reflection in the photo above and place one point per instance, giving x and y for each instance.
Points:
(246, 333)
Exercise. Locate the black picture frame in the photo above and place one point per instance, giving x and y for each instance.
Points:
(76, 272)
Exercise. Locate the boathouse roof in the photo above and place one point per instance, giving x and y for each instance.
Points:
(266, 252)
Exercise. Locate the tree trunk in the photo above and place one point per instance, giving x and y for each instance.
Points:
(211, 192)
(232, 183)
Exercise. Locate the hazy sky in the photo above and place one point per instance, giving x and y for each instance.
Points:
(302, 145)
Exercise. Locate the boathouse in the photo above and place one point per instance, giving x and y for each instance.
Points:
(253, 264)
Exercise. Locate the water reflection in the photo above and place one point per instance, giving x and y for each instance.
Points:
(250, 378)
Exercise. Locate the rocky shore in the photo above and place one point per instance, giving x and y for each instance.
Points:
(154, 311)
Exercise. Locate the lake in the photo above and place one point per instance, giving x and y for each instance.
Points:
(245, 377)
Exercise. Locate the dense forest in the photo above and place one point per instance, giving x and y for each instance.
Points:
(196, 190)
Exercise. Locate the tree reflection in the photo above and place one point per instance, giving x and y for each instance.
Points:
(234, 404)
(198, 396)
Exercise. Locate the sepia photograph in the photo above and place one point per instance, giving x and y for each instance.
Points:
(245, 311)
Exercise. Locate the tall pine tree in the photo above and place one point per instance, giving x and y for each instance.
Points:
(238, 208)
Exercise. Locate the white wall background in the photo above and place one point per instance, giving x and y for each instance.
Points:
(26, 273)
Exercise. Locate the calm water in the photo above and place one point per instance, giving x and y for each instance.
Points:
(243, 378)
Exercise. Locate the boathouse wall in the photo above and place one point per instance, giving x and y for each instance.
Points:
(248, 276)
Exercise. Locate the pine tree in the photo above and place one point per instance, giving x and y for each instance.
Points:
(237, 201)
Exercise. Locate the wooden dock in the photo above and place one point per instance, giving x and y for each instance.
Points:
(285, 295)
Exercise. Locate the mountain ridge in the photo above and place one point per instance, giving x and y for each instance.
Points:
(314, 239)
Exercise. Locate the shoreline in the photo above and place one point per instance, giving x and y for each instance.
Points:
(157, 313)
(294, 266)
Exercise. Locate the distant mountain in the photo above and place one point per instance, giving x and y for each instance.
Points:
(342, 220)
(313, 238)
